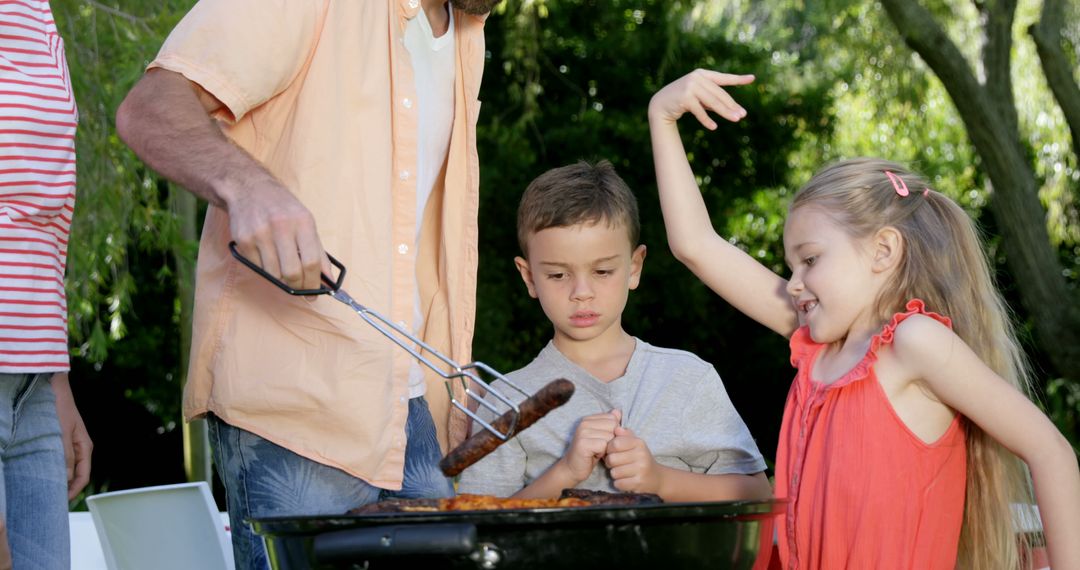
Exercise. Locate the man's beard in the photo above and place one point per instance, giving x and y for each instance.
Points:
(475, 7)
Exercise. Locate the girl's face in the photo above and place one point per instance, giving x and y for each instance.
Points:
(833, 285)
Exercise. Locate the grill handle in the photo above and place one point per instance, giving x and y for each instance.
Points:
(359, 544)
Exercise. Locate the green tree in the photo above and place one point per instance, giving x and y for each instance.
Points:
(133, 233)
(987, 104)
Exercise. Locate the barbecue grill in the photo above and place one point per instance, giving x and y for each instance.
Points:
(737, 535)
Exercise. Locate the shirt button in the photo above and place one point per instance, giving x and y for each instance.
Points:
(404, 175)
(403, 399)
(407, 102)
(402, 249)
(413, 4)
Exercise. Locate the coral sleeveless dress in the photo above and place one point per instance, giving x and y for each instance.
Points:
(863, 490)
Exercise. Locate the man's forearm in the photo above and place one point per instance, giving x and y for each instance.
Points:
(168, 126)
(166, 120)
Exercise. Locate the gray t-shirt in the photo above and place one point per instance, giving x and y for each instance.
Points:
(671, 399)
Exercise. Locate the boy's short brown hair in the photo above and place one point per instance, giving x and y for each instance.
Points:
(577, 194)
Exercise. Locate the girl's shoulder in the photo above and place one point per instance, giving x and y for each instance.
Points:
(908, 323)
(914, 332)
(919, 337)
(920, 332)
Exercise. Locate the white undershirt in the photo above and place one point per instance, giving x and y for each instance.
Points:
(433, 71)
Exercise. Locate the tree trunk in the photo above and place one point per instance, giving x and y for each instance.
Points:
(1055, 64)
(196, 445)
(989, 112)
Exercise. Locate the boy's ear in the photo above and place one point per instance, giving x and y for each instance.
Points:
(522, 265)
(888, 247)
(637, 262)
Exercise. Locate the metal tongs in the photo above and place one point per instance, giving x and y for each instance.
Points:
(460, 372)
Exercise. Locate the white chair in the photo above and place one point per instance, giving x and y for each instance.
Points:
(166, 527)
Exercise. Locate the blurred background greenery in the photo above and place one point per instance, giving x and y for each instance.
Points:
(981, 96)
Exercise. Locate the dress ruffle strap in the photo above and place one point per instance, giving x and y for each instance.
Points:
(803, 346)
(913, 307)
(862, 369)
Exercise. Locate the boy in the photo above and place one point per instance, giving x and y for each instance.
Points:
(643, 419)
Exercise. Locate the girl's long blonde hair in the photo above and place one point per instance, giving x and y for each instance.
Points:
(944, 264)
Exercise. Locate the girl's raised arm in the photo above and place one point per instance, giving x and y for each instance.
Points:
(928, 350)
(731, 273)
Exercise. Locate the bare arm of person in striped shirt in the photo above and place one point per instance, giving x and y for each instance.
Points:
(166, 120)
(77, 444)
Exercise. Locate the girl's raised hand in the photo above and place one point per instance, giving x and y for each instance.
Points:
(699, 92)
(729, 271)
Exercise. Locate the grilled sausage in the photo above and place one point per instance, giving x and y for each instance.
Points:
(483, 442)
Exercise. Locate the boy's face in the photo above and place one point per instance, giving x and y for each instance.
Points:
(582, 275)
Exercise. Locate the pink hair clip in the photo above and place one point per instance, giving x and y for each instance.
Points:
(898, 184)
(925, 192)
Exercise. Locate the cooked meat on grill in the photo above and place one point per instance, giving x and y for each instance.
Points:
(398, 506)
(605, 498)
(464, 502)
(467, 502)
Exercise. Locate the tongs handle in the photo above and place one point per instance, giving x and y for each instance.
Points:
(329, 286)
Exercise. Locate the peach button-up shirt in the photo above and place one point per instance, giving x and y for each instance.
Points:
(322, 93)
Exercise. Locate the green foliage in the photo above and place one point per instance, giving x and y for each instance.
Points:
(120, 279)
(120, 205)
(1062, 404)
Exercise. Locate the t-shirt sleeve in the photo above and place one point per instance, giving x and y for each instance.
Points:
(716, 438)
(244, 52)
(501, 472)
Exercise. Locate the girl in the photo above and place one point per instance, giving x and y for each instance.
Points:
(905, 426)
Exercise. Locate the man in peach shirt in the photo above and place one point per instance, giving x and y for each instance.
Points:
(311, 127)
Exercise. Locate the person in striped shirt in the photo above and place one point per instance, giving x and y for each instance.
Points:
(44, 446)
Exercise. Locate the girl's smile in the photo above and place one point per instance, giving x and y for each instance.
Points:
(803, 308)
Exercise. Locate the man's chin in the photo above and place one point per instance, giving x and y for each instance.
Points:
(474, 7)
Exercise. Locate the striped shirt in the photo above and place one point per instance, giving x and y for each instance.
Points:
(37, 188)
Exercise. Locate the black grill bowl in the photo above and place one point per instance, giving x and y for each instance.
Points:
(720, 535)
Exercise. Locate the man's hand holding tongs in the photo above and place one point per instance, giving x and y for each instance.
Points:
(276, 232)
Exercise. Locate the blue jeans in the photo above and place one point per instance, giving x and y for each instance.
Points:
(33, 474)
(263, 479)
